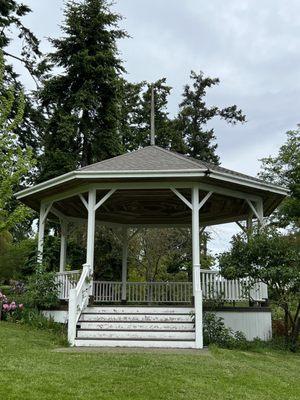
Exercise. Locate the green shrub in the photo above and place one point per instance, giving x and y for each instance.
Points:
(41, 289)
(215, 332)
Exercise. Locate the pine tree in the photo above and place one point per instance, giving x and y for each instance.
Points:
(194, 114)
(82, 102)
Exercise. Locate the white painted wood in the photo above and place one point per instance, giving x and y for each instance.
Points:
(255, 324)
(85, 203)
(91, 229)
(169, 318)
(67, 280)
(143, 292)
(252, 208)
(60, 316)
(135, 334)
(136, 343)
(139, 310)
(150, 174)
(41, 233)
(104, 198)
(63, 245)
(146, 326)
(124, 262)
(204, 200)
(196, 268)
(260, 212)
(78, 301)
(181, 197)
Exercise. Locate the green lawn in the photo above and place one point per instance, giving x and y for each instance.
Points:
(32, 368)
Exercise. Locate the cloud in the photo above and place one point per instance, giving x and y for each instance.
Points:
(251, 45)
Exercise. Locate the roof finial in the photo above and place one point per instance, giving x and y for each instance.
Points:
(152, 117)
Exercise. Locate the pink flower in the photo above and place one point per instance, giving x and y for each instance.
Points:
(13, 305)
(21, 306)
(6, 307)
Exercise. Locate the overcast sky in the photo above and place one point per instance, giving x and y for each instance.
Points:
(253, 46)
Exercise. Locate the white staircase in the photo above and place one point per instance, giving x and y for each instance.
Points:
(118, 326)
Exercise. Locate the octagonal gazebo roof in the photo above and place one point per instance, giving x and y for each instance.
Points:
(143, 179)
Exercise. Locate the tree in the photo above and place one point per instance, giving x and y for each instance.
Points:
(11, 14)
(284, 170)
(274, 259)
(15, 162)
(82, 101)
(194, 114)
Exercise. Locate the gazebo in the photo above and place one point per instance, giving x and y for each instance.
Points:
(150, 187)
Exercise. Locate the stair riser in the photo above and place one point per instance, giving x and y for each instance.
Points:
(136, 335)
(135, 317)
(134, 343)
(136, 325)
(139, 310)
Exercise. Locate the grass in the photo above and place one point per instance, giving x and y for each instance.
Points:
(32, 368)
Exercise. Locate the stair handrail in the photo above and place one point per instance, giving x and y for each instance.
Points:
(78, 300)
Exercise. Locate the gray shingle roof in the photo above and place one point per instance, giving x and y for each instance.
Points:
(154, 158)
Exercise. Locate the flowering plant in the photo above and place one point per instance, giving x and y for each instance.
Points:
(8, 308)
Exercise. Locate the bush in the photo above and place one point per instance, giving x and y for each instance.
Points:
(9, 309)
(42, 289)
(215, 332)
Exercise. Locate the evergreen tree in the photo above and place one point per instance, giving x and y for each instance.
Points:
(13, 30)
(194, 114)
(82, 101)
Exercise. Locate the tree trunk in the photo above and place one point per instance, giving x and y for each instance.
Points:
(296, 330)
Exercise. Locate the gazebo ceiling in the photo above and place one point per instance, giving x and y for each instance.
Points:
(143, 196)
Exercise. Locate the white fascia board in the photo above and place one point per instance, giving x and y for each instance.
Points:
(241, 180)
(190, 173)
(46, 185)
(108, 175)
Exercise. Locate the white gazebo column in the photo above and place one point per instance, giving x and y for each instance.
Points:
(91, 229)
(124, 261)
(41, 234)
(44, 210)
(197, 292)
(63, 245)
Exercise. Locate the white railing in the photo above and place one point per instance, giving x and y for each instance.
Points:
(214, 286)
(66, 280)
(143, 292)
(78, 300)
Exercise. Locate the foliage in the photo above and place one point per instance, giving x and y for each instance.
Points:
(215, 332)
(9, 309)
(11, 14)
(284, 170)
(41, 289)
(14, 161)
(194, 114)
(16, 260)
(82, 101)
(274, 259)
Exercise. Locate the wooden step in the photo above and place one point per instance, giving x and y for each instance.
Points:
(138, 310)
(135, 334)
(87, 316)
(141, 325)
(180, 344)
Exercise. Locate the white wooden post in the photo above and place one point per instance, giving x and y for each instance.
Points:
(63, 245)
(41, 233)
(91, 229)
(260, 212)
(196, 268)
(124, 261)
